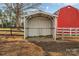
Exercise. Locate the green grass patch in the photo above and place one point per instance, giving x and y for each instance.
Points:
(71, 35)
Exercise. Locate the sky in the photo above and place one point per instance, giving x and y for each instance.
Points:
(52, 7)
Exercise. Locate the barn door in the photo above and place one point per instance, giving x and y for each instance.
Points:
(39, 26)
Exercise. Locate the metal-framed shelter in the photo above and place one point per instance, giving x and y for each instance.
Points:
(46, 18)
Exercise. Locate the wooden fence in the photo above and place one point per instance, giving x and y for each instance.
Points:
(11, 32)
(67, 32)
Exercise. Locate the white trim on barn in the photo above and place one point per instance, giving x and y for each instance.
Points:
(45, 19)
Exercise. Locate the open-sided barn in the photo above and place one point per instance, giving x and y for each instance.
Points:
(40, 24)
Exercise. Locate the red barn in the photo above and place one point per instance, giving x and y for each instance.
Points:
(68, 17)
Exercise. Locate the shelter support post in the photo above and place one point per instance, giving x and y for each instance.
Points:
(25, 30)
(55, 28)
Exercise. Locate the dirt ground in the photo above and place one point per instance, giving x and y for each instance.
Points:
(59, 48)
(20, 48)
(15, 46)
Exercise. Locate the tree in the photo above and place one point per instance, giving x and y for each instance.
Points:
(19, 8)
(2, 17)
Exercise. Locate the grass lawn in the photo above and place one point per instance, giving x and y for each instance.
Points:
(71, 35)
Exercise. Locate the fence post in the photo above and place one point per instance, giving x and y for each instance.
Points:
(70, 31)
(62, 33)
(76, 32)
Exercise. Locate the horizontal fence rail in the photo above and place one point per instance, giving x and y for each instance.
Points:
(64, 32)
(11, 32)
(39, 28)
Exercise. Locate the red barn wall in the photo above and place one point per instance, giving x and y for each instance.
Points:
(68, 17)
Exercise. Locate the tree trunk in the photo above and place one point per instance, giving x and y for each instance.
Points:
(2, 23)
(17, 16)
